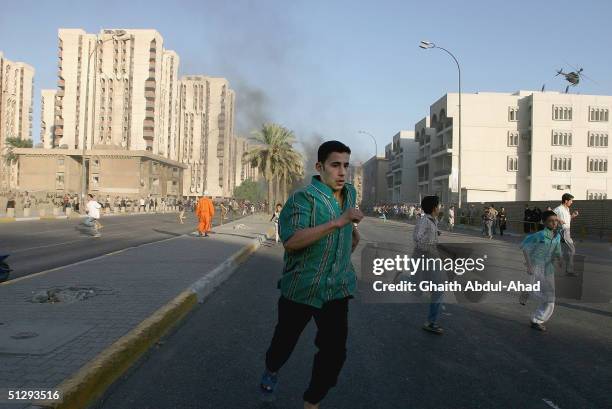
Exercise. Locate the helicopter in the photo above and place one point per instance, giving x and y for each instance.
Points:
(572, 77)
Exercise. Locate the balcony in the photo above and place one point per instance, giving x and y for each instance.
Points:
(61, 83)
(421, 160)
(148, 134)
(59, 121)
(422, 181)
(442, 149)
(58, 111)
(150, 94)
(442, 173)
(59, 131)
(150, 85)
(60, 93)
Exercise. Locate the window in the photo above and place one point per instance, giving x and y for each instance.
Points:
(599, 165)
(96, 163)
(598, 114)
(598, 139)
(596, 195)
(59, 180)
(561, 138)
(561, 163)
(60, 162)
(513, 138)
(562, 113)
(95, 181)
(512, 113)
(512, 163)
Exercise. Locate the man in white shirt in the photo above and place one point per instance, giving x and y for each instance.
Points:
(565, 217)
(93, 213)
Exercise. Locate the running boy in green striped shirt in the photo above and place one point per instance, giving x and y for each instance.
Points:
(318, 230)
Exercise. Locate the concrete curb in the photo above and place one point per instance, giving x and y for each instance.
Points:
(93, 379)
(73, 216)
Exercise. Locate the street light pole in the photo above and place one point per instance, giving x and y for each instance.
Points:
(117, 35)
(374, 139)
(427, 45)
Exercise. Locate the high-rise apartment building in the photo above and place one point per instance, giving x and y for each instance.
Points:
(206, 132)
(526, 145)
(16, 87)
(132, 98)
(401, 175)
(47, 117)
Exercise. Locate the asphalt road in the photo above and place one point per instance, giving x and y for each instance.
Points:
(489, 357)
(40, 245)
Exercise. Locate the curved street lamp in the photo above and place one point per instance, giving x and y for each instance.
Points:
(116, 35)
(374, 139)
(426, 45)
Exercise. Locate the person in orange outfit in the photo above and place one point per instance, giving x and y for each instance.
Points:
(205, 210)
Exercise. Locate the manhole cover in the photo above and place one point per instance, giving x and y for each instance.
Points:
(65, 295)
(24, 335)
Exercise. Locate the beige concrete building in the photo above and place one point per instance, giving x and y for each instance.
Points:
(206, 131)
(375, 181)
(16, 87)
(402, 173)
(129, 174)
(47, 117)
(526, 145)
(241, 171)
(132, 99)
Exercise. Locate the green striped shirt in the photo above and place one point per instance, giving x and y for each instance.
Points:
(323, 271)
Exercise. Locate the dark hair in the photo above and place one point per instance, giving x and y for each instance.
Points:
(328, 147)
(278, 204)
(90, 195)
(566, 197)
(547, 214)
(429, 203)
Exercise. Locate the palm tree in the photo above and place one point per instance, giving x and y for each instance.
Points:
(274, 156)
(9, 156)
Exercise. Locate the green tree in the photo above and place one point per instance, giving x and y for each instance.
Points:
(276, 159)
(9, 148)
(9, 155)
(250, 190)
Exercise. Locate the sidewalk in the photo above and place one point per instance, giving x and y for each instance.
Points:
(122, 304)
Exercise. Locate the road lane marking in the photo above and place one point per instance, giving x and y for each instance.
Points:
(549, 403)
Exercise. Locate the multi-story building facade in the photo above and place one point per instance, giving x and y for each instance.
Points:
(206, 132)
(240, 170)
(47, 117)
(402, 176)
(526, 145)
(375, 181)
(16, 87)
(132, 100)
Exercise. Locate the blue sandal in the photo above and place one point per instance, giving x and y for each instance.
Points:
(268, 383)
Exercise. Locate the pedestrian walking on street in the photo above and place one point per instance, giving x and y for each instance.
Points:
(565, 220)
(502, 220)
(275, 218)
(542, 252)
(487, 222)
(205, 210)
(317, 220)
(425, 236)
(224, 211)
(93, 212)
(451, 218)
(493, 212)
(181, 209)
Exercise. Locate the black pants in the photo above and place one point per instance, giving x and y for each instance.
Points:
(332, 331)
